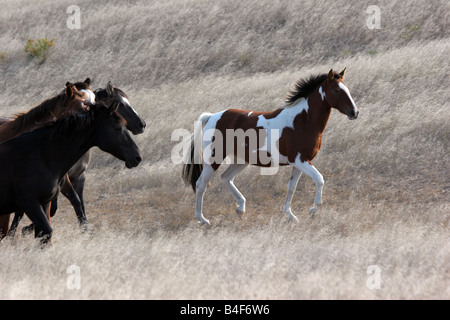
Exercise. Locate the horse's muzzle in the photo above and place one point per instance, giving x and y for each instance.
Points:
(353, 114)
(133, 162)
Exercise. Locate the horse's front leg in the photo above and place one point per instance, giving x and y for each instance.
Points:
(17, 217)
(38, 215)
(69, 192)
(311, 171)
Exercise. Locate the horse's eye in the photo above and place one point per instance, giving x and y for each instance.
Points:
(336, 90)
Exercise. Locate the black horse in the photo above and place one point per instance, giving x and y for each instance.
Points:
(33, 164)
(72, 185)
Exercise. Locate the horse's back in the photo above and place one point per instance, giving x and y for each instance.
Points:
(4, 120)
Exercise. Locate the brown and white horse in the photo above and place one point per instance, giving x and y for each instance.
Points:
(291, 135)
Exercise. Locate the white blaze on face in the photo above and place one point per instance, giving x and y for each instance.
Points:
(127, 103)
(90, 94)
(345, 89)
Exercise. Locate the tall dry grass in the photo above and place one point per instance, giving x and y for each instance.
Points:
(386, 174)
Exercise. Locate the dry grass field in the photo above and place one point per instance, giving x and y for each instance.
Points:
(386, 174)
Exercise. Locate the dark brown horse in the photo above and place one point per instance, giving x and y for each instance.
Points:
(291, 135)
(32, 165)
(72, 185)
(74, 99)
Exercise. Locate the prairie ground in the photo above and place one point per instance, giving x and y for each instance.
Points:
(385, 214)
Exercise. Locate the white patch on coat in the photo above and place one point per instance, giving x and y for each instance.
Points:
(275, 127)
(322, 93)
(210, 125)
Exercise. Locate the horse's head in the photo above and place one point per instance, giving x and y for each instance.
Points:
(113, 137)
(84, 87)
(114, 96)
(337, 94)
(77, 101)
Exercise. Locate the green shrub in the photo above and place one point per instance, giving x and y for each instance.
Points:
(38, 48)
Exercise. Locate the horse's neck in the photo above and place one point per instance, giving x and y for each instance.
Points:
(18, 126)
(64, 152)
(9, 130)
(311, 114)
(318, 116)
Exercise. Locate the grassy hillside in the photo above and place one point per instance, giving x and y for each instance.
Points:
(386, 174)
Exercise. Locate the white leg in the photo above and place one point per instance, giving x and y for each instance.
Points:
(293, 181)
(312, 172)
(202, 183)
(227, 178)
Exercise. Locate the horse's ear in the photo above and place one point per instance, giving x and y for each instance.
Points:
(342, 74)
(87, 81)
(113, 108)
(331, 74)
(69, 91)
(109, 89)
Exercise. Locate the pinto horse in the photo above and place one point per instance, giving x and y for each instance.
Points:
(74, 99)
(72, 185)
(291, 135)
(32, 165)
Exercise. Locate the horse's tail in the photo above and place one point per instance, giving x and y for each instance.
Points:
(193, 163)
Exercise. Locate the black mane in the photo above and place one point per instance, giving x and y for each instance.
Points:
(304, 87)
(102, 94)
(70, 125)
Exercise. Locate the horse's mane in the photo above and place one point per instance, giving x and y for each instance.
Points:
(68, 126)
(101, 93)
(305, 86)
(25, 121)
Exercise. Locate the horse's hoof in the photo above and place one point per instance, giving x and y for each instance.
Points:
(240, 212)
(84, 228)
(27, 230)
(203, 221)
(292, 218)
(312, 212)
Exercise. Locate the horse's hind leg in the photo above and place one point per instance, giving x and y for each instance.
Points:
(312, 172)
(200, 188)
(228, 177)
(293, 181)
